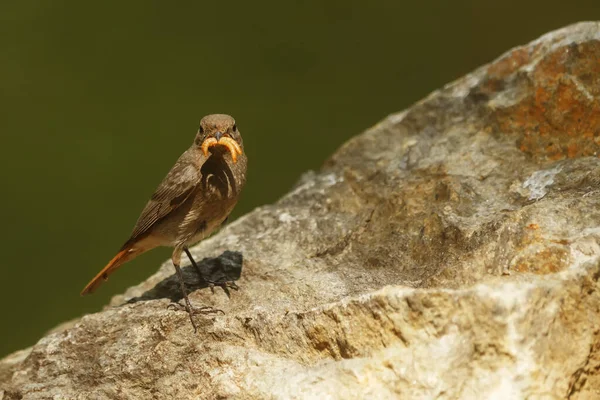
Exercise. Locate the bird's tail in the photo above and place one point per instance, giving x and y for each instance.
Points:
(127, 252)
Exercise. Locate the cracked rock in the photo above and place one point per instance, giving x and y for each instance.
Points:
(451, 251)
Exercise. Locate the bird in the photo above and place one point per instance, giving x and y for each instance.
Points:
(192, 201)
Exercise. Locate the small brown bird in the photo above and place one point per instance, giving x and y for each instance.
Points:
(192, 201)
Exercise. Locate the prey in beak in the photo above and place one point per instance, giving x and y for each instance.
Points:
(220, 140)
(219, 130)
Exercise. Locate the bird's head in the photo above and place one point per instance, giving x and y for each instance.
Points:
(218, 132)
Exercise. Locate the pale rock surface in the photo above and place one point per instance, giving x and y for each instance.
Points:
(451, 251)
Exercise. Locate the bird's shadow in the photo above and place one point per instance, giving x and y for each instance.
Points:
(225, 268)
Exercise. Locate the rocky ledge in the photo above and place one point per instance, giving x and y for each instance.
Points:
(450, 251)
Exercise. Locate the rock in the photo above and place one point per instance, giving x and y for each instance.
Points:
(451, 251)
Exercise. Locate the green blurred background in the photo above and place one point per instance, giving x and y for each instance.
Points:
(98, 100)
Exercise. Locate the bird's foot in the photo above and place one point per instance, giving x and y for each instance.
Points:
(225, 285)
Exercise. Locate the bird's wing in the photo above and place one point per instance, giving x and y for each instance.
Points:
(173, 191)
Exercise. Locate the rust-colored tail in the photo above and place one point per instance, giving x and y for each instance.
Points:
(128, 252)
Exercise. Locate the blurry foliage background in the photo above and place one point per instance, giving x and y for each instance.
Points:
(98, 100)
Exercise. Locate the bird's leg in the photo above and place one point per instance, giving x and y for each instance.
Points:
(188, 305)
(176, 258)
(225, 285)
(187, 251)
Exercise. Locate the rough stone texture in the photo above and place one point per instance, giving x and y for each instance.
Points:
(451, 251)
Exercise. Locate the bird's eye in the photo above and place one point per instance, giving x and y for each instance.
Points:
(201, 129)
(234, 127)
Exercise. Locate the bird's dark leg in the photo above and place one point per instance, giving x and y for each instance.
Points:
(188, 305)
(176, 258)
(187, 251)
(225, 285)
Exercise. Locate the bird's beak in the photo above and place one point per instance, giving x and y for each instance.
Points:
(219, 140)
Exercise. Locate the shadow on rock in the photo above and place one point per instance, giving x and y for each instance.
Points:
(219, 270)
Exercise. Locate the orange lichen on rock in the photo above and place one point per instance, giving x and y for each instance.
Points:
(546, 261)
(560, 117)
